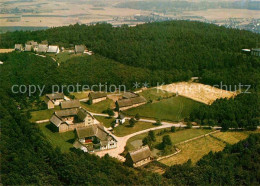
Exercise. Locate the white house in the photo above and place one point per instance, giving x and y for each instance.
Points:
(120, 119)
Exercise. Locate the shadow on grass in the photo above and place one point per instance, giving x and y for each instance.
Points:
(70, 141)
(52, 128)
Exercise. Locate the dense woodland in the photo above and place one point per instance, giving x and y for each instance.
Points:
(156, 52)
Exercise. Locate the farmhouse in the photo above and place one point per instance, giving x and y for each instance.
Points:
(79, 48)
(255, 52)
(128, 95)
(94, 138)
(53, 49)
(139, 157)
(70, 104)
(53, 99)
(97, 96)
(120, 119)
(18, 47)
(124, 104)
(42, 48)
(69, 119)
(28, 48)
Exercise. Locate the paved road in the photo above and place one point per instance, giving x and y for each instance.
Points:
(122, 141)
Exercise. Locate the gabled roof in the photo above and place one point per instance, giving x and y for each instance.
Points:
(131, 101)
(55, 120)
(96, 95)
(53, 49)
(79, 48)
(120, 116)
(28, 48)
(140, 154)
(42, 48)
(128, 95)
(93, 130)
(55, 96)
(67, 112)
(82, 114)
(70, 104)
(18, 46)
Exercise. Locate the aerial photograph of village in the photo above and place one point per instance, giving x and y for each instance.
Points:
(130, 92)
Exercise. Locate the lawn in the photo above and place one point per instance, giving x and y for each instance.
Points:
(172, 109)
(125, 129)
(232, 137)
(42, 114)
(195, 150)
(106, 121)
(98, 107)
(176, 137)
(62, 140)
(80, 95)
(156, 94)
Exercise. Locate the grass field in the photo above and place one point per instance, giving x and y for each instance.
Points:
(195, 150)
(80, 95)
(232, 137)
(62, 140)
(42, 114)
(125, 129)
(105, 120)
(99, 107)
(172, 109)
(176, 137)
(155, 94)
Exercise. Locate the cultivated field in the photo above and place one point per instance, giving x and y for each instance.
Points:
(195, 150)
(231, 137)
(197, 91)
(172, 109)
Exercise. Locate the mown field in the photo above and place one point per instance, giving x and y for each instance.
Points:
(172, 109)
(64, 141)
(196, 149)
(155, 94)
(176, 137)
(98, 107)
(43, 114)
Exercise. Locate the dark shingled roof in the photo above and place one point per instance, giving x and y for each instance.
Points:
(79, 48)
(96, 95)
(140, 154)
(128, 95)
(55, 120)
(55, 96)
(131, 101)
(70, 104)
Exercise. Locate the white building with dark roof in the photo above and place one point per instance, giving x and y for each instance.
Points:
(94, 138)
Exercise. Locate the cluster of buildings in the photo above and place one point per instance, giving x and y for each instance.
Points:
(43, 47)
(91, 136)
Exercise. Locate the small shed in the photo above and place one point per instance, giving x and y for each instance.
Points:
(18, 47)
(120, 119)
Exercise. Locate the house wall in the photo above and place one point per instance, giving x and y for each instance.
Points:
(132, 106)
(58, 101)
(142, 162)
(98, 100)
(112, 144)
(50, 105)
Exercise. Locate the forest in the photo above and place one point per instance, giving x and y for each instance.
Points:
(154, 52)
